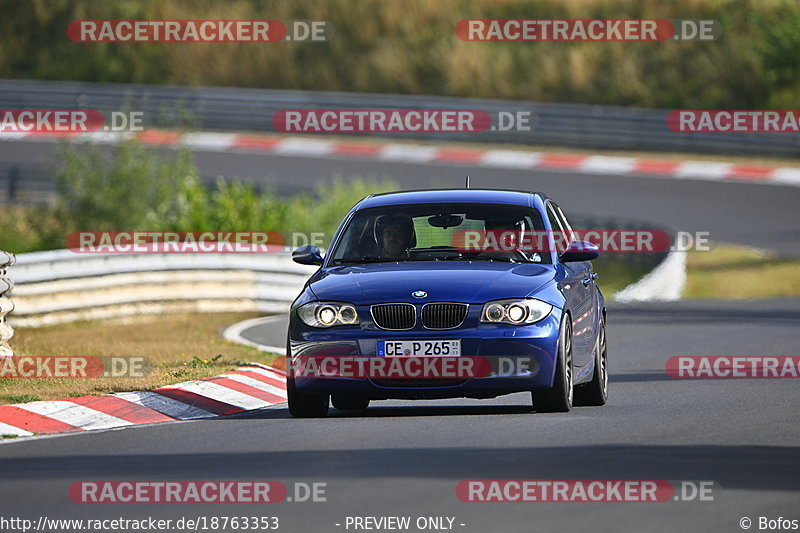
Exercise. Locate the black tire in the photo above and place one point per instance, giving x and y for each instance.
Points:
(558, 398)
(304, 404)
(346, 402)
(595, 392)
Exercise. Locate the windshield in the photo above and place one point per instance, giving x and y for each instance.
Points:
(439, 232)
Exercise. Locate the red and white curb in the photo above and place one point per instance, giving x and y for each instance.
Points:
(316, 147)
(244, 389)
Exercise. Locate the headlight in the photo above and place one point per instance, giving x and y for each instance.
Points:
(522, 311)
(328, 314)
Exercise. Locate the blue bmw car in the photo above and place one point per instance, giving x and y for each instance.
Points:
(441, 274)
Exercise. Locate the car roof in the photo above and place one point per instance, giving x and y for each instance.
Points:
(435, 196)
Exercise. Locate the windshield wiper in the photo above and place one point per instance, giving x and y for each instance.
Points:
(484, 258)
(366, 259)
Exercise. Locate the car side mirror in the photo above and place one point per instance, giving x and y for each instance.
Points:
(307, 255)
(580, 251)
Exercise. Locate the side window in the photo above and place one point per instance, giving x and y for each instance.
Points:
(559, 234)
(565, 223)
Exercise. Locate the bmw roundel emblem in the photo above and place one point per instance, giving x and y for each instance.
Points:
(419, 294)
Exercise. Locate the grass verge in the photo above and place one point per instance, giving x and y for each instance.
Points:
(613, 276)
(738, 272)
(179, 348)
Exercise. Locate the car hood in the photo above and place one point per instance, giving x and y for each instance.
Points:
(469, 282)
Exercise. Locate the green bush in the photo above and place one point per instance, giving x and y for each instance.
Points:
(127, 187)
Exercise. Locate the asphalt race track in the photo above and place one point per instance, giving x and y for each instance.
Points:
(405, 458)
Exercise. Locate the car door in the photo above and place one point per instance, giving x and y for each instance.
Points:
(578, 288)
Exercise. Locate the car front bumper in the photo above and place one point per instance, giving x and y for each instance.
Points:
(501, 345)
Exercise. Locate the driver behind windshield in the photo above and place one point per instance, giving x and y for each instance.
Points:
(396, 233)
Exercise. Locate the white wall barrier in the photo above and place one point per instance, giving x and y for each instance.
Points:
(6, 305)
(663, 283)
(61, 286)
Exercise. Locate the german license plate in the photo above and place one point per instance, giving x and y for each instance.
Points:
(433, 348)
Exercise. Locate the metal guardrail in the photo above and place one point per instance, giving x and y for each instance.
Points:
(239, 109)
(6, 305)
